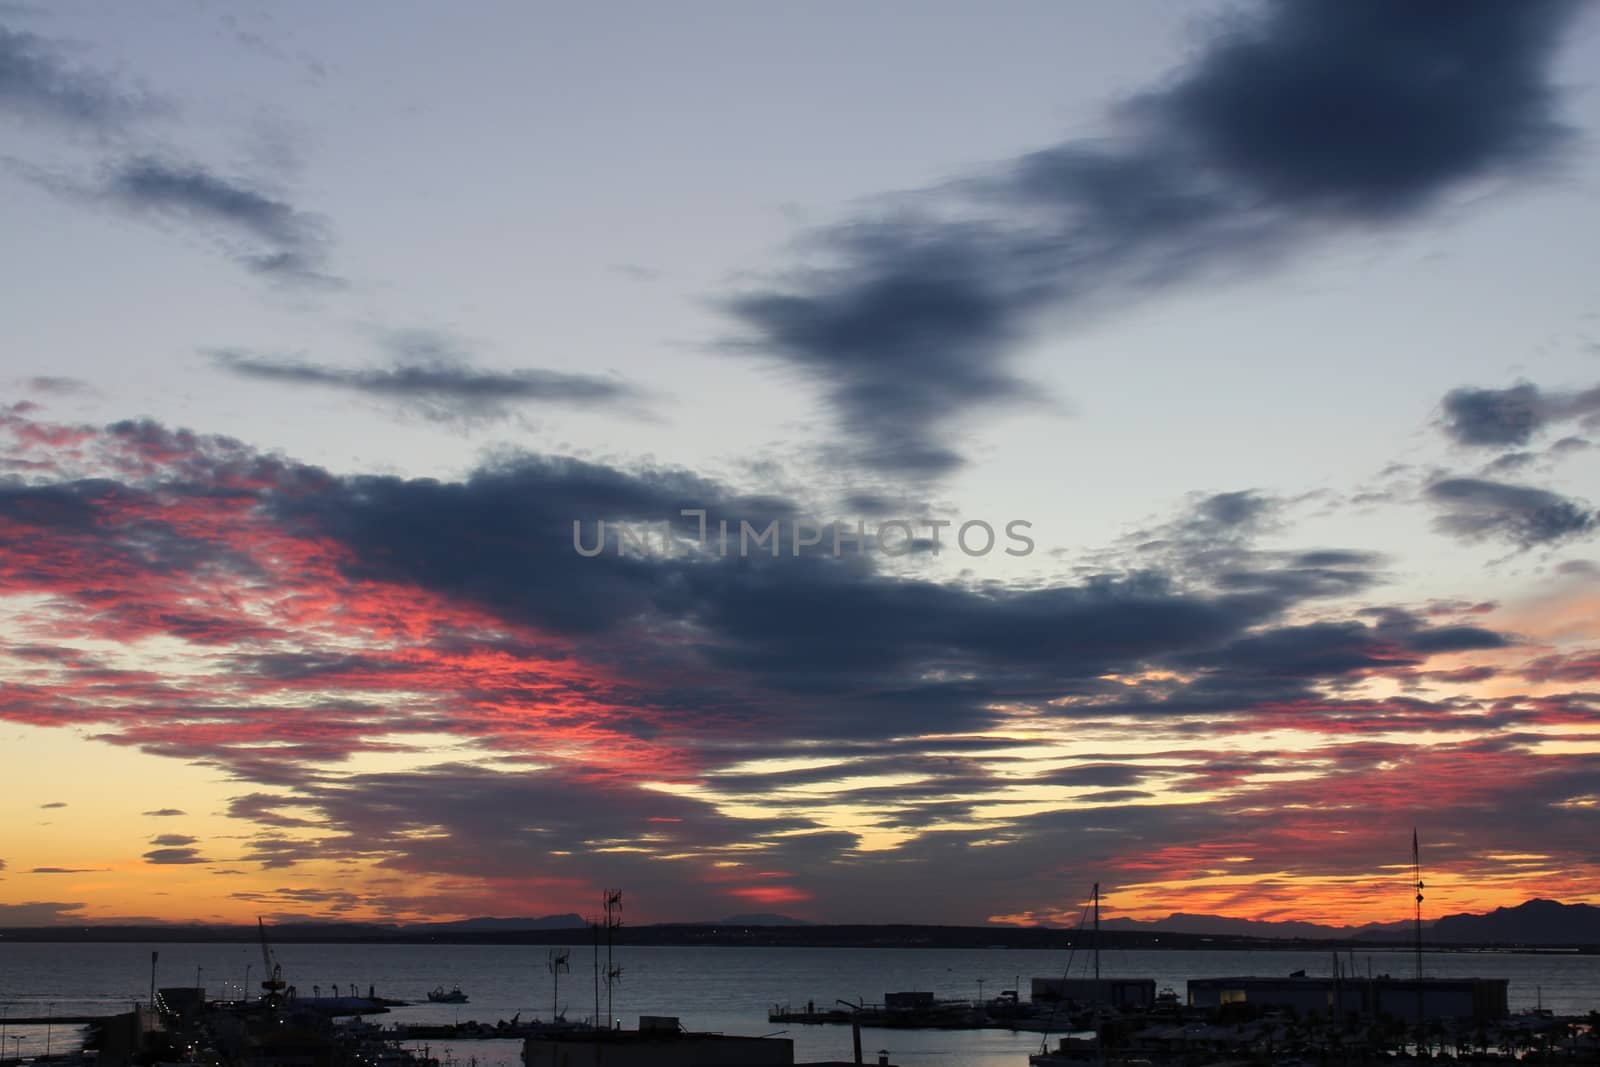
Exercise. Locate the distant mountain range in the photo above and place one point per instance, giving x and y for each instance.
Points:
(1533, 922)
(1223, 926)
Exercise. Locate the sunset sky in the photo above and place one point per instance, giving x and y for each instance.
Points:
(1273, 328)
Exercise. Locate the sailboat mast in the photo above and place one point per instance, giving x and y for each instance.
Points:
(1097, 932)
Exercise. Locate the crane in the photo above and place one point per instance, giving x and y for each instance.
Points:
(274, 982)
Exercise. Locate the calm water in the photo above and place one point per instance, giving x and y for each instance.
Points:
(714, 989)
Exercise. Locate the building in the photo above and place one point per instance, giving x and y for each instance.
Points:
(1117, 992)
(1442, 998)
(908, 1002)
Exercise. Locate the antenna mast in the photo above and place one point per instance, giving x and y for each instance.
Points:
(1416, 871)
(613, 973)
(558, 962)
(1097, 933)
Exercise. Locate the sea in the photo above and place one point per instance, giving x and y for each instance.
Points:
(712, 989)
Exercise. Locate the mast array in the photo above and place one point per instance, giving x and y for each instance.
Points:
(613, 919)
(1416, 873)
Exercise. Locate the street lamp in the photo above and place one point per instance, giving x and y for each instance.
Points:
(17, 1045)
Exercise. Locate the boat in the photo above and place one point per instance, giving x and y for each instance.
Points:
(455, 996)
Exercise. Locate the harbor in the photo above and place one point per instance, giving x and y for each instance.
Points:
(1254, 1019)
(1347, 1010)
(916, 1016)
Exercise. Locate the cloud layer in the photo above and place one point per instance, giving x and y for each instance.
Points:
(1296, 121)
(433, 379)
(797, 733)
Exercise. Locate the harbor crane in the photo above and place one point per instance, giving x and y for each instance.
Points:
(274, 981)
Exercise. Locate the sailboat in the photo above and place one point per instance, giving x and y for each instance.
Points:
(1103, 995)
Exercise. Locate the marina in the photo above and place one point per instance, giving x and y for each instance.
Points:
(732, 991)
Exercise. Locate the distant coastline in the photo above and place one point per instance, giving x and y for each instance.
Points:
(1533, 925)
(791, 936)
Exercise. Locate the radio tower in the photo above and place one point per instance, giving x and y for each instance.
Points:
(613, 973)
(1416, 871)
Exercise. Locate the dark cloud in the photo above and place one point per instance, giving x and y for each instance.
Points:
(1493, 416)
(267, 235)
(1298, 119)
(173, 839)
(1212, 543)
(439, 385)
(1330, 650)
(1234, 510)
(1474, 509)
(1370, 108)
(1097, 774)
(1513, 416)
(174, 856)
(165, 812)
(798, 629)
(36, 83)
(67, 870)
(54, 804)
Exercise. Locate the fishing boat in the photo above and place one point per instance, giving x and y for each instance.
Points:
(455, 996)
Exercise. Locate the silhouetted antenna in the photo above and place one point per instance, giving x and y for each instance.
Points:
(1416, 872)
(613, 919)
(560, 960)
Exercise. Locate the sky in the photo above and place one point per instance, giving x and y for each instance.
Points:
(902, 463)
